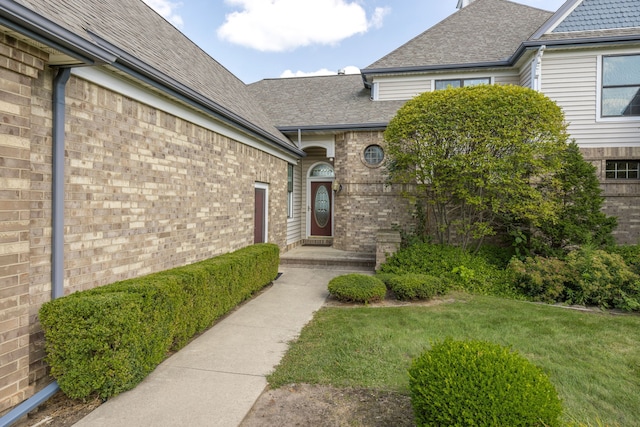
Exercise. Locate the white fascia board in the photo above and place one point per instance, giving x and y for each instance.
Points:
(142, 94)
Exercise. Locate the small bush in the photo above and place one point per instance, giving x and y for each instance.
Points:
(603, 279)
(542, 279)
(416, 286)
(357, 287)
(630, 254)
(476, 383)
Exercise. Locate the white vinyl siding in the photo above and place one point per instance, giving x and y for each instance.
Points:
(294, 225)
(571, 79)
(401, 88)
(526, 74)
(507, 79)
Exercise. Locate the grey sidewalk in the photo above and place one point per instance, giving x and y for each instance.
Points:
(216, 379)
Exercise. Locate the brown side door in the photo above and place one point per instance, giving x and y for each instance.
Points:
(321, 208)
(259, 216)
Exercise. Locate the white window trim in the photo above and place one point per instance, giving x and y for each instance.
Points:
(599, 118)
(460, 77)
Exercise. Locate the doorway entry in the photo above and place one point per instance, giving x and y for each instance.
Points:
(260, 219)
(320, 200)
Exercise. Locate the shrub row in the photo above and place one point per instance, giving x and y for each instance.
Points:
(477, 383)
(106, 340)
(587, 277)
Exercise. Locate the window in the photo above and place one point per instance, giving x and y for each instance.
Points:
(623, 169)
(289, 191)
(620, 86)
(323, 170)
(443, 84)
(373, 155)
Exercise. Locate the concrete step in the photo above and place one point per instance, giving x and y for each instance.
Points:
(321, 256)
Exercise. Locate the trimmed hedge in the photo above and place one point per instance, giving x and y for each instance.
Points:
(108, 339)
(355, 287)
(478, 383)
(414, 286)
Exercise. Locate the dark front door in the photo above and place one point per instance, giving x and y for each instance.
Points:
(321, 208)
(259, 216)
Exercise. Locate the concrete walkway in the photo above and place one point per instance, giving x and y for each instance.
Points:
(216, 379)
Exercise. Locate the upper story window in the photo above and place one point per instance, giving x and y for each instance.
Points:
(622, 169)
(621, 86)
(443, 84)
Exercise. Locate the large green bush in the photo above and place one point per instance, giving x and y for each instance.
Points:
(414, 286)
(476, 383)
(542, 279)
(355, 287)
(106, 340)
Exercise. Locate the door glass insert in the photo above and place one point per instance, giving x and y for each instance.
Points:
(321, 211)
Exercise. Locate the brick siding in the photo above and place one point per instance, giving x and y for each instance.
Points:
(366, 203)
(145, 191)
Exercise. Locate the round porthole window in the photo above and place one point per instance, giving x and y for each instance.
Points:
(373, 155)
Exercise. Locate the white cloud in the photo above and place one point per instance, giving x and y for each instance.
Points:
(284, 25)
(322, 72)
(167, 10)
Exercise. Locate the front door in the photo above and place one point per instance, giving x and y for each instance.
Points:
(321, 208)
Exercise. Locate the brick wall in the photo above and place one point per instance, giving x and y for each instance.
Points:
(19, 66)
(365, 204)
(622, 197)
(144, 191)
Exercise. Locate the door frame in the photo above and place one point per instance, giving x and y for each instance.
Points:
(319, 179)
(265, 187)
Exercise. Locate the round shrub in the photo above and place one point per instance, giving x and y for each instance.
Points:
(477, 383)
(416, 286)
(356, 287)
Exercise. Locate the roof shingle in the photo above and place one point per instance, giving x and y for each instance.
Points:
(138, 30)
(593, 15)
(486, 31)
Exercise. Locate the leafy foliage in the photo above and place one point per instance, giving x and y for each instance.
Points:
(579, 217)
(587, 276)
(477, 383)
(355, 287)
(106, 340)
(481, 273)
(474, 152)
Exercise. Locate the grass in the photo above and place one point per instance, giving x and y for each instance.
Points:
(593, 359)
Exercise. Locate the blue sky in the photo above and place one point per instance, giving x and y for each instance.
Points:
(257, 39)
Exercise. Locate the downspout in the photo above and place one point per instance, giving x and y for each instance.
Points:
(57, 226)
(537, 72)
(57, 233)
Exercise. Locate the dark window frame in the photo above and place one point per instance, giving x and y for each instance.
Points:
(626, 169)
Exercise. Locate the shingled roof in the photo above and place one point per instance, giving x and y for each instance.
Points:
(136, 33)
(592, 20)
(592, 15)
(329, 102)
(486, 31)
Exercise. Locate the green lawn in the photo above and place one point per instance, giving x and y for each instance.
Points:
(593, 359)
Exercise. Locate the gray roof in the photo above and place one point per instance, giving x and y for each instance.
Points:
(134, 30)
(336, 102)
(593, 15)
(486, 31)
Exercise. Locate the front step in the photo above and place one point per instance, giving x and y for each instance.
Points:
(321, 257)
